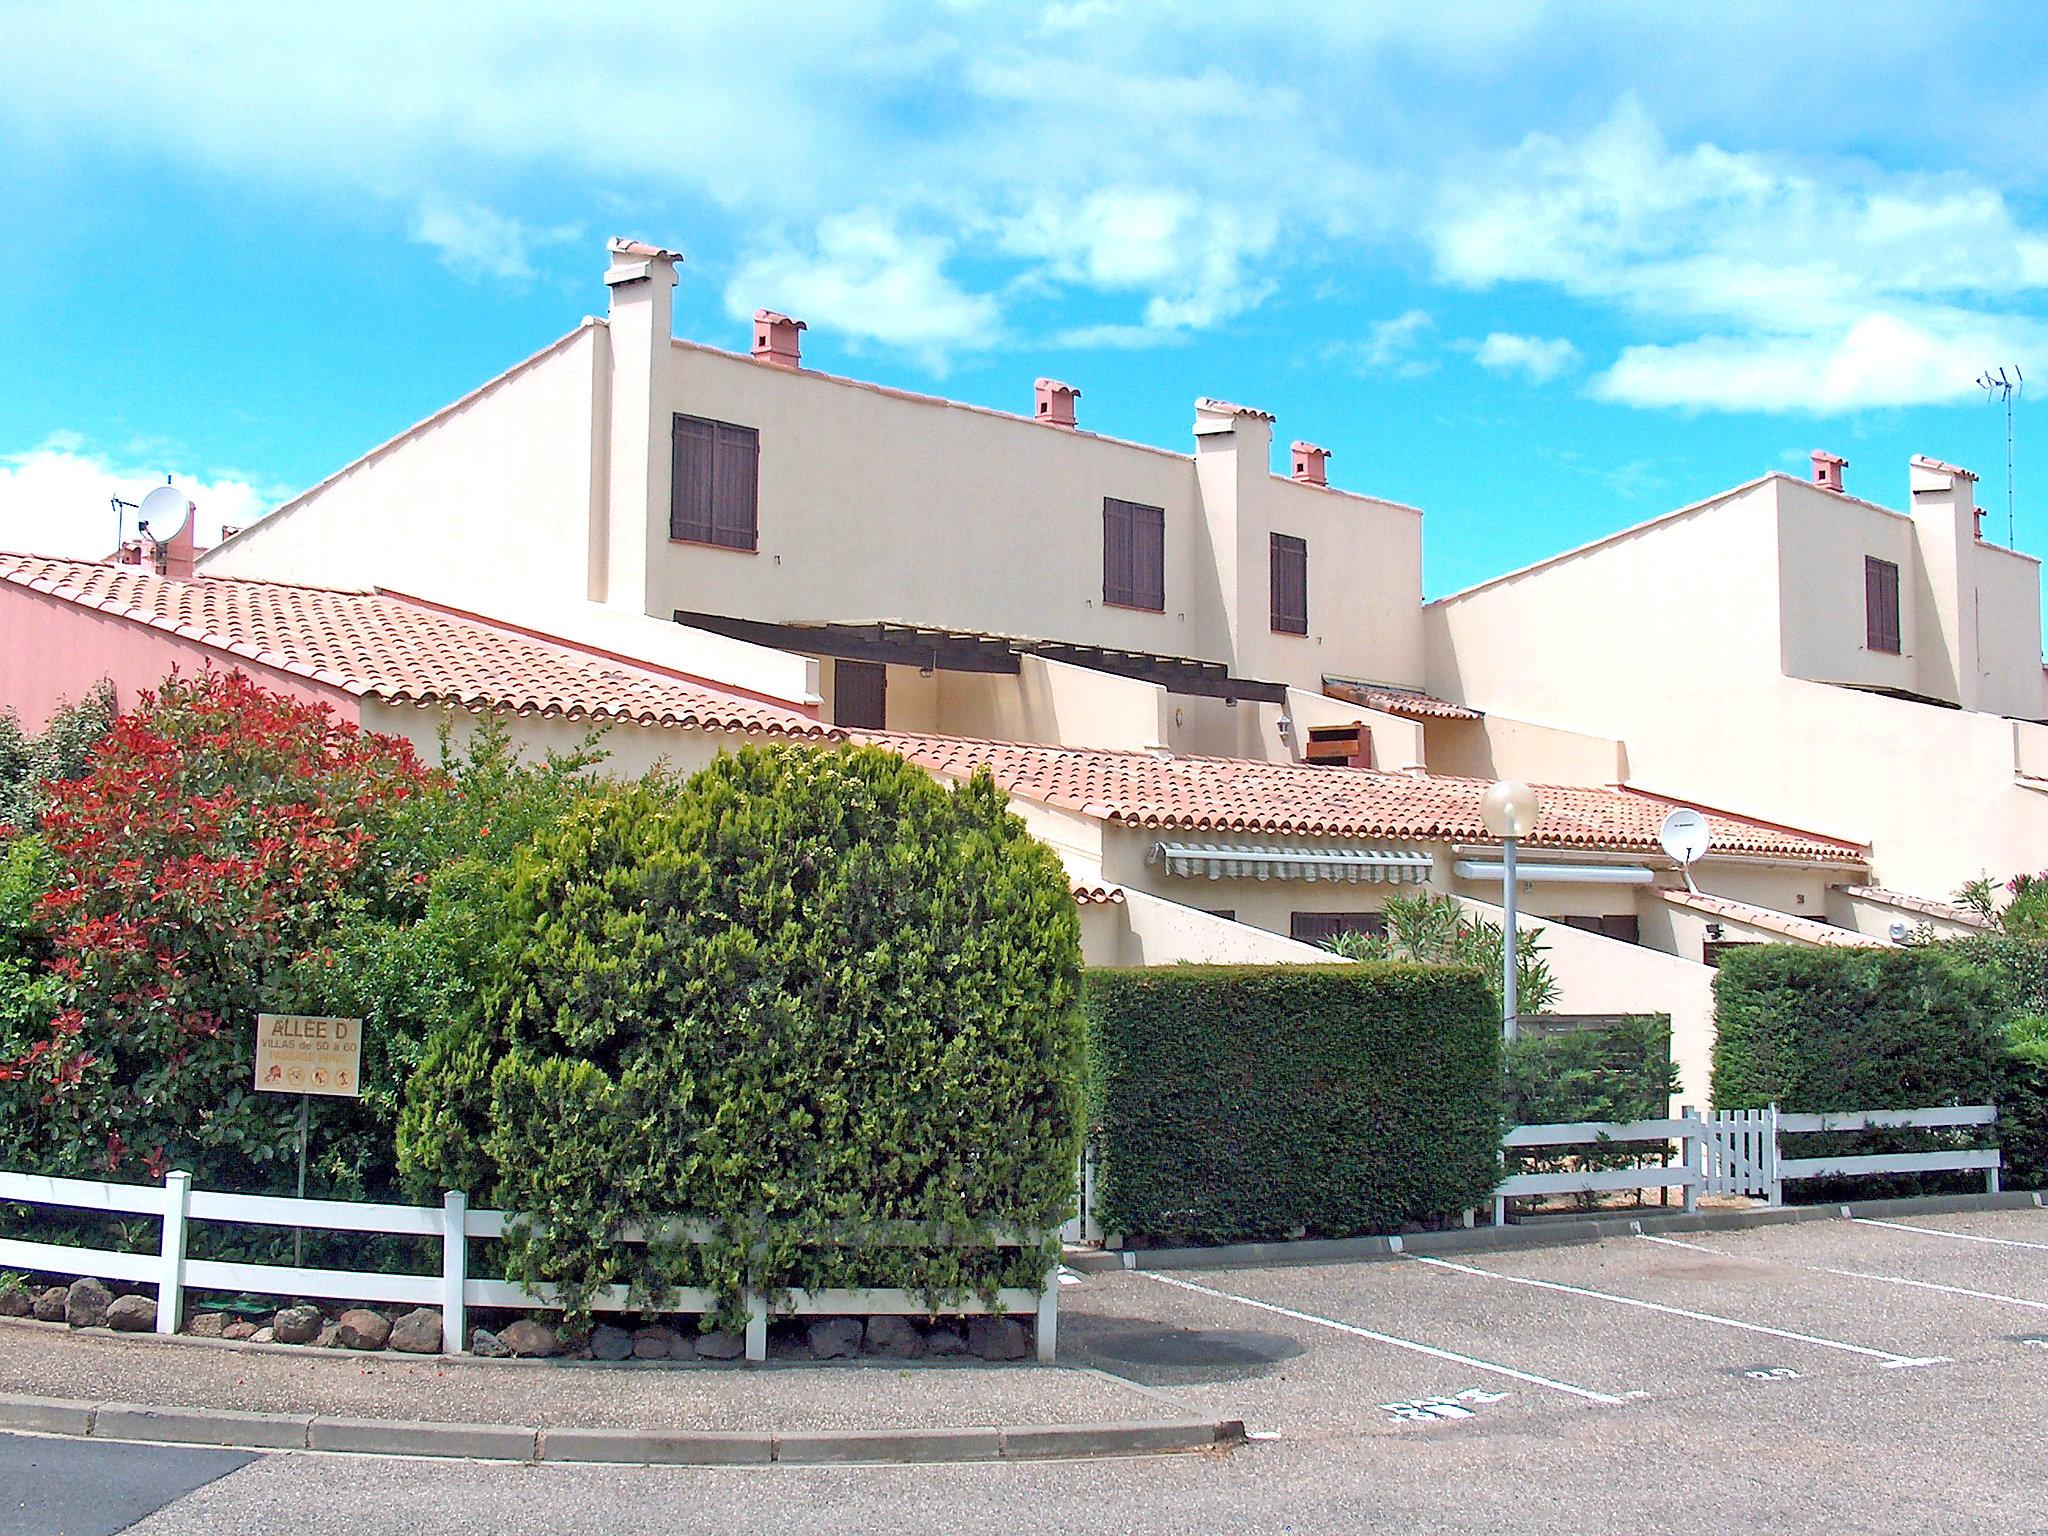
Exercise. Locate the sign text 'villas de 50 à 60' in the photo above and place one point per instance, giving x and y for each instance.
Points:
(306, 1053)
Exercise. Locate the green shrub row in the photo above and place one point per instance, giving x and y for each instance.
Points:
(1238, 1103)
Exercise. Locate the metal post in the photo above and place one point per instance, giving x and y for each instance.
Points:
(454, 1272)
(170, 1281)
(1509, 941)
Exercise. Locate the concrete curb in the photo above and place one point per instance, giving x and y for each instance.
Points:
(170, 1425)
(1545, 1232)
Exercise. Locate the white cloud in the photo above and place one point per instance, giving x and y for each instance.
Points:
(1539, 358)
(865, 277)
(1391, 346)
(1826, 289)
(55, 499)
(476, 241)
(1879, 360)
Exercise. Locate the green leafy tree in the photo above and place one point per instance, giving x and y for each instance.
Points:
(804, 990)
(28, 764)
(1429, 929)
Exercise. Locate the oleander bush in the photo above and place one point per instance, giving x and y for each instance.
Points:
(1239, 1103)
(805, 991)
(214, 834)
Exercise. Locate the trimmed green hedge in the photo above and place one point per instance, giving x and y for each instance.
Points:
(1820, 1029)
(1619, 1072)
(2023, 1116)
(1239, 1103)
(1823, 1029)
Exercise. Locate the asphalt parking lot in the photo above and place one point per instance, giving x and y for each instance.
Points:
(1462, 1344)
(1815, 1378)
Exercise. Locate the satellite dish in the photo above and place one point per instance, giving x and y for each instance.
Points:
(1685, 837)
(163, 512)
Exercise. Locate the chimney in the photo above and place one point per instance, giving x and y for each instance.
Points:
(178, 552)
(639, 332)
(1055, 403)
(1945, 529)
(1827, 469)
(1311, 464)
(776, 340)
(1339, 746)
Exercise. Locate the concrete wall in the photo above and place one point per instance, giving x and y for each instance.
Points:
(1669, 639)
(1823, 540)
(56, 652)
(1600, 975)
(630, 750)
(487, 502)
(1501, 747)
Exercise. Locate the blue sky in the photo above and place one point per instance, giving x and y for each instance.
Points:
(1543, 270)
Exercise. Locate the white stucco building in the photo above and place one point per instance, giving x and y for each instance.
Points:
(1214, 687)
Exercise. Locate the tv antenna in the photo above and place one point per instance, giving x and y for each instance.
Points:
(1686, 837)
(2005, 385)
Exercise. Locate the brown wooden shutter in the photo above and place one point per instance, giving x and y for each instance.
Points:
(1289, 584)
(1880, 605)
(714, 484)
(735, 487)
(1116, 552)
(860, 695)
(692, 454)
(1148, 557)
(1317, 927)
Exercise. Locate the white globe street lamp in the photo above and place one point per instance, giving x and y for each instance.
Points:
(1509, 809)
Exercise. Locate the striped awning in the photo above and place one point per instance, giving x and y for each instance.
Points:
(1350, 866)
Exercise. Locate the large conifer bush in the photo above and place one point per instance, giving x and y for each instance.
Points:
(806, 991)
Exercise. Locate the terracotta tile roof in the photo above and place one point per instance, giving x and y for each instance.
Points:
(1146, 789)
(1095, 893)
(1806, 930)
(376, 645)
(1926, 906)
(1397, 701)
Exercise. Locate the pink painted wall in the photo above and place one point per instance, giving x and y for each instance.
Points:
(53, 652)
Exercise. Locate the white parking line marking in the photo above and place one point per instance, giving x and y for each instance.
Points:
(1891, 1361)
(1850, 1274)
(1387, 1338)
(1961, 1237)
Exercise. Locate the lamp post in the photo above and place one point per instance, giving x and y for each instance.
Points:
(1509, 810)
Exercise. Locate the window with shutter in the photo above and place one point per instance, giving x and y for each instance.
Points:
(1881, 605)
(1290, 585)
(1133, 555)
(1316, 927)
(714, 486)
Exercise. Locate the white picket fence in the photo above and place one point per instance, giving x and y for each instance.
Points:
(176, 1204)
(1740, 1152)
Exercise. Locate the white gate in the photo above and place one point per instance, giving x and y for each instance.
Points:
(1742, 1152)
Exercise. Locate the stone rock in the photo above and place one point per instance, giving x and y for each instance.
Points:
(360, 1328)
(324, 1339)
(944, 1339)
(241, 1328)
(418, 1332)
(833, 1338)
(894, 1338)
(486, 1345)
(264, 1335)
(49, 1306)
(86, 1303)
(609, 1343)
(997, 1338)
(530, 1340)
(16, 1302)
(297, 1325)
(657, 1343)
(720, 1344)
(206, 1325)
(132, 1314)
